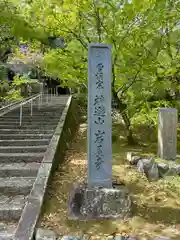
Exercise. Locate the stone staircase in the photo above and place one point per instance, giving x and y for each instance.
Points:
(21, 152)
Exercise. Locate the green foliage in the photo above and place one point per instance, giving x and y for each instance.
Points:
(14, 22)
(82, 99)
(145, 38)
(139, 32)
(3, 74)
(148, 113)
(20, 80)
(13, 94)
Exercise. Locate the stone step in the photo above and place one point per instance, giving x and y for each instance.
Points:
(16, 185)
(47, 115)
(11, 207)
(27, 114)
(22, 136)
(29, 121)
(7, 231)
(29, 126)
(35, 115)
(25, 142)
(45, 110)
(19, 169)
(39, 119)
(42, 109)
(21, 157)
(26, 131)
(23, 149)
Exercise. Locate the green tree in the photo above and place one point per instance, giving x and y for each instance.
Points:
(145, 37)
(15, 28)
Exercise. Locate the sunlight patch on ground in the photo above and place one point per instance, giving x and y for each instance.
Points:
(79, 162)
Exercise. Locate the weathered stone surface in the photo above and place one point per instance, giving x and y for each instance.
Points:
(10, 211)
(167, 133)
(99, 116)
(163, 168)
(16, 185)
(75, 200)
(153, 173)
(20, 157)
(24, 142)
(149, 168)
(144, 165)
(24, 149)
(25, 136)
(174, 169)
(132, 158)
(97, 202)
(7, 231)
(25, 131)
(71, 238)
(19, 169)
(45, 234)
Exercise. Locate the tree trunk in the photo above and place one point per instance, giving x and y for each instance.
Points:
(130, 138)
(125, 117)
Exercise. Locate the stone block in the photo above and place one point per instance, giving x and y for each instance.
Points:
(97, 203)
(163, 168)
(153, 173)
(132, 158)
(145, 164)
(174, 170)
(67, 237)
(45, 234)
(149, 168)
(19, 169)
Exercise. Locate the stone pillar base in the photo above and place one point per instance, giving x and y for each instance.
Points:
(98, 203)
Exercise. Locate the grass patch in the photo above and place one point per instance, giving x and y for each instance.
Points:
(156, 205)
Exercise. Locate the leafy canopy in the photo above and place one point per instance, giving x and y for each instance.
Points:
(145, 38)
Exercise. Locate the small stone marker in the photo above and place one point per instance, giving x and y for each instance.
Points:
(167, 133)
(99, 116)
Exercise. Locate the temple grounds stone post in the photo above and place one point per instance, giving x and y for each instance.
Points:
(99, 196)
(167, 133)
(99, 116)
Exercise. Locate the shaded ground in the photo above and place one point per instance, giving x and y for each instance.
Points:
(156, 206)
